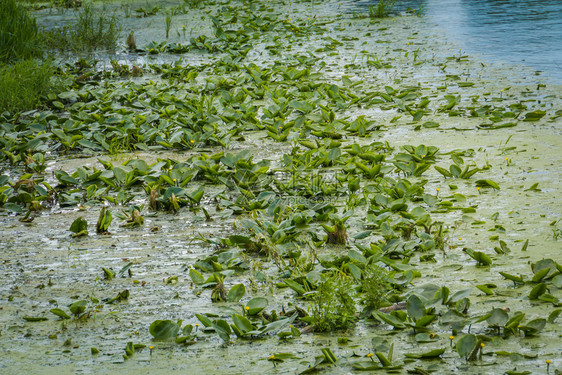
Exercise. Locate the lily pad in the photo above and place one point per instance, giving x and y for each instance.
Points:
(60, 313)
(537, 291)
(426, 355)
(236, 293)
(164, 329)
(466, 345)
(256, 305)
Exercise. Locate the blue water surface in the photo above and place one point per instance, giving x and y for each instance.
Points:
(527, 32)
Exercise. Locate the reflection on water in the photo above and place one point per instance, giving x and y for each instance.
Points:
(513, 31)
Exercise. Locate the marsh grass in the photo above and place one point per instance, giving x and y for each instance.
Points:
(333, 307)
(374, 287)
(23, 84)
(94, 29)
(382, 9)
(168, 25)
(19, 34)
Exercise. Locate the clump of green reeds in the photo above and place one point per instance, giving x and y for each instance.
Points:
(95, 29)
(168, 25)
(23, 84)
(382, 9)
(19, 34)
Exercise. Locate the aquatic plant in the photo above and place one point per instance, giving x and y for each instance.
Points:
(131, 44)
(94, 29)
(332, 306)
(374, 287)
(337, 233)
(382, 9)
(79, 227)
(148, 11)
(270, 206)
(168, 25)
(19, 34)
(24, 84)
(104, 220)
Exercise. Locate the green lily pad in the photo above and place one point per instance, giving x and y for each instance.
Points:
(164, 329)
(236, 293)
(60, 313)
(497, 318)
(537, 291)
(242, 323)
(34, 318)
(426, 355)
(256, 305)
(415, 307)
(78, 307)
(466, 345)
(533, 327)
(488, 183)
(534, 116)
(557, 281)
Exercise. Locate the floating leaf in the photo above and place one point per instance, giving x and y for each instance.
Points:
(295, 286)
(514, 321)
(236, 293)
(515, 279)
(425, 337)
(533, 327)
(497, 318)
(242, 323)
(79, 227)
(537, 291)
(485, 289)
(415, 307)
(430, 354)
(542, 264)
(383, 360)
(534, 116)
(554, 315)
(164, 329)
(203, 319)
(480, 257)
(466, 345)
(365, 366)
(256, 305)
(488, 183)
(389, 319)
(430, 124)
(222, 329)
(540, 274)
(34, 319)
(108, 274)
(78, 307)
(557, 281)
(196, 277)
(329, 355)
(60, 313)
(13, 207)
(425, 320)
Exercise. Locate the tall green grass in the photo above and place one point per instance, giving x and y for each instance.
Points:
(23, 84)
(93, 30)
(19, 34)
(382, 9)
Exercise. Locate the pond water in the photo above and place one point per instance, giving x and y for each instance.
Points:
(43, 267)
(527, 32)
